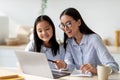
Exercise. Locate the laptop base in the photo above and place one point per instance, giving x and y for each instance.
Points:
(58, 74)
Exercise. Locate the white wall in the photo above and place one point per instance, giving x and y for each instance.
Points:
(20, 12)
(102, 16)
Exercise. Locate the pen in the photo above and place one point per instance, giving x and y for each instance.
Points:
(52, 61)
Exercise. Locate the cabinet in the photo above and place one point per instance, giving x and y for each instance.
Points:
(4, 28)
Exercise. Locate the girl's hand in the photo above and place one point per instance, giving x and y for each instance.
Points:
(60, 64)
(88, 68)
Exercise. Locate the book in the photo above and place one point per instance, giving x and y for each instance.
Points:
(8, 75)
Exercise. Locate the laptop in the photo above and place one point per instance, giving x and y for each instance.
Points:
(34, 63)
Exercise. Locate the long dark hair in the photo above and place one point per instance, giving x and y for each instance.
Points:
(76, 16)
(38, 42)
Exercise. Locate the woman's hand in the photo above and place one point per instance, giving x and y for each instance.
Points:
(60, 64)
(88, 68)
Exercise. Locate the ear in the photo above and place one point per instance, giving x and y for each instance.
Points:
(79, 22)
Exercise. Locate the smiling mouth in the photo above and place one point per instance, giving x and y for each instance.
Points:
(68, 32)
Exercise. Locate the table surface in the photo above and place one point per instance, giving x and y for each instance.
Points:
(18, 47)
(115, 76)
(112, 49)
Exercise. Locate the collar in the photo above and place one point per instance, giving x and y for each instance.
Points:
(83, 41)
(44, 48)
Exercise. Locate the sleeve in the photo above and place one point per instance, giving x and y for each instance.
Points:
(30, 46)
(104, 55)
(69, 59)
(62, 52)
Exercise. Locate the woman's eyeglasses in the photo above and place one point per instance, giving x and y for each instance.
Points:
(67, 24)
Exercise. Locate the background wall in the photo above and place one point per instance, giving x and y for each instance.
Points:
(102, 16)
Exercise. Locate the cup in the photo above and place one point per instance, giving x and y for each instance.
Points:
(103, 72)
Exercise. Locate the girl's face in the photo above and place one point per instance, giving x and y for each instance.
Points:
(70, 26)
(44, 31)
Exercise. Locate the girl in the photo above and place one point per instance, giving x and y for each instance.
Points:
(45, 40)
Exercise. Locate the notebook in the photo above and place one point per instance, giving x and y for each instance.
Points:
(80, 73)
(34, 63)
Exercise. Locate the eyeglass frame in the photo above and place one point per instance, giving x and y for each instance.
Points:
(68, 24)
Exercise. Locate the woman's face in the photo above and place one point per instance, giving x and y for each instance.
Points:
(70, 26)
(44, 31)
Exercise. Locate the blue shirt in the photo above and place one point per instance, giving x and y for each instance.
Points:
(91, 50)
(47, 51)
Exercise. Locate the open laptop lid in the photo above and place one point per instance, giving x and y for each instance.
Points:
(34, 63)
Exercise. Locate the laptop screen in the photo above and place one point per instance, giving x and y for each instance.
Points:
(34, 63)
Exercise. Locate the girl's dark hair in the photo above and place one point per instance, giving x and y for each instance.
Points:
(72, 12)
(38, 42)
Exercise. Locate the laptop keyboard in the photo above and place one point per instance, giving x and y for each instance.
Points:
(58, 74)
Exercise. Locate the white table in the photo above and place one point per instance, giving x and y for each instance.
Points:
(115, 76)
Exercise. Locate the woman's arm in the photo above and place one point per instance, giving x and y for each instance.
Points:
(104, 55)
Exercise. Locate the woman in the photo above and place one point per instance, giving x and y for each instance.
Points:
(84, 48)
(45, 40)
